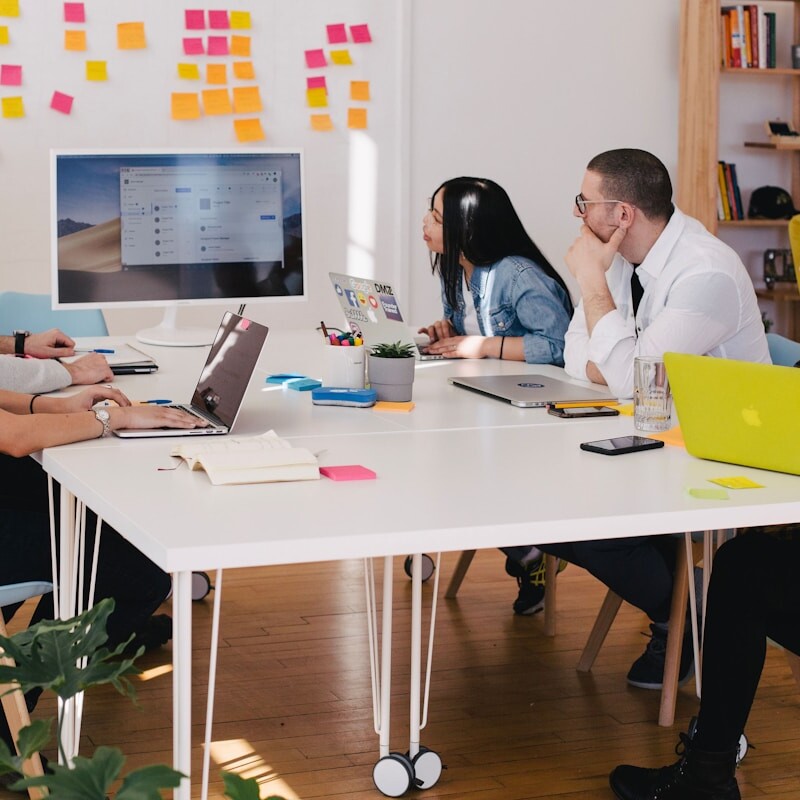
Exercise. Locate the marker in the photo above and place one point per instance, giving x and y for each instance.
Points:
(102, 350)
(324, 329)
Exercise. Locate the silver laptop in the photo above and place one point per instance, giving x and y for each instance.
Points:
(530, 391)
(223, 381)
(371, 309)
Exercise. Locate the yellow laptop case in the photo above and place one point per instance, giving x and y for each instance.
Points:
(737, 411)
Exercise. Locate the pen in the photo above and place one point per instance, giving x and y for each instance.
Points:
(103, 350)
(158, 402)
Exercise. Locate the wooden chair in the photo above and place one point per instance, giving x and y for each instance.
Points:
(13, 700)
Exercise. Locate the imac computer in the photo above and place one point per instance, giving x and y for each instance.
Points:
(176, 227)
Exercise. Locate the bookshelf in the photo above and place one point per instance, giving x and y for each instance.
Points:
(703, 85)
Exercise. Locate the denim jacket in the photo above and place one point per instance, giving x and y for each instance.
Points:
(514, 297)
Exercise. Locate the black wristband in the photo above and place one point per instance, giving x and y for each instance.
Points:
(19, 342)
(30, 406)
(502, 345)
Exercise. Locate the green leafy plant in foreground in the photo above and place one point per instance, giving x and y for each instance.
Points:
(67, 657)
(393, 350)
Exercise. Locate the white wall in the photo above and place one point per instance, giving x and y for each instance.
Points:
(522, 91)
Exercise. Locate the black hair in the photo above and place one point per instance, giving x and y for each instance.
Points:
(480, 222)
(636, 177)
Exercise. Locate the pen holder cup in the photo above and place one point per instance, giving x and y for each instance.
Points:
(344, 366)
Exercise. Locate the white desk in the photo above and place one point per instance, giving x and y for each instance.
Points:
(461, 472)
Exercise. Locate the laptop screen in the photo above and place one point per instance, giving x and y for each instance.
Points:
(229, 367)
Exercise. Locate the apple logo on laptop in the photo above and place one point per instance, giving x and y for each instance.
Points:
(751, 417)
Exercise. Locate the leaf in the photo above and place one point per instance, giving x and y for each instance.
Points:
(88, 779)
(237, 788)
(32, 738)
(145, 783)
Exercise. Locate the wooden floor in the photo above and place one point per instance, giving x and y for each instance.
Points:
(509, 714)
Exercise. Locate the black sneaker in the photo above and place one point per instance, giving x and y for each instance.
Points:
(647, 672)
(530, 580)
(157, 631)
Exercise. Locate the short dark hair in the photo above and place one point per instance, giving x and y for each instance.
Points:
(636, 177)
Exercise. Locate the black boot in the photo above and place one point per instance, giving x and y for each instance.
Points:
(699, 775)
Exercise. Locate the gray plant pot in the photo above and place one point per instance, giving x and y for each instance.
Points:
(391, 378)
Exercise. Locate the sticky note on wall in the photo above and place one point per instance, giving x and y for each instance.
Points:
(360, 34)
(359, 90)
(247, 100)
(317, 98)
(9, 8)
(13, 107)
(357, 118)
(96, 71)
(316, 59)
(75, 40)
(185, 105)
(321, 122)
(4, 37)
(10, 75)
(61, 102)
(239, 20)
(249, 130)
(194, 19)
(243, 70)
(74, 12)
(341, 57)
(130, 36)
(217, 101)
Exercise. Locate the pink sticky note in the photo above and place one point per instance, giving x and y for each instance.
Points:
(74, 12)
(195, 19)
(360, 34)
(218, 45)
(316, 82)
(61, 102)
(350, 472)
(218, 20)
(11, 75)
(336, 34)
(316, 58)
(193, 46)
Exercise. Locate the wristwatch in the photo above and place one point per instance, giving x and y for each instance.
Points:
(102, 416)
(19, 342)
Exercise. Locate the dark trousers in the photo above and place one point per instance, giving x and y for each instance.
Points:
(754, 594)
(640, 569)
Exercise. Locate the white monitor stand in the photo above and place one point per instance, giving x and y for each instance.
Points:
(168, 334)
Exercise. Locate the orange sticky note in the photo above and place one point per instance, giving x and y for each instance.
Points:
(321, 122)
(75, 40)
(247, 100)
(185, 105)
(341, 57)
(13, 107)
(243, 70)
(189, 72)
(217, 73)
(130, 36)
(9, 8)
(317, 98)
(239, 20)
(4, 34)
(387, 405)
(240, 46)
(359, 90)
(216, 101)
(96, 71)
(249, 130)
(357, 118)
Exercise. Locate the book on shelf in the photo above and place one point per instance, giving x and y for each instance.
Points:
(254, 459)
(729, 200)
(748, 36)
(723, 208)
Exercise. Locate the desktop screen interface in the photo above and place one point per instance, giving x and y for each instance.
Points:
(149, 227)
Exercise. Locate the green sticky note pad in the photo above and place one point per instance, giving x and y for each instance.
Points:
(737, 482)
(708, 494)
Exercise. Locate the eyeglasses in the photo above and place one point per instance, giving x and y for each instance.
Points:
(581, 202)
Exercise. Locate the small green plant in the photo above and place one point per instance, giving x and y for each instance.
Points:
(394, 350)
(68, 657)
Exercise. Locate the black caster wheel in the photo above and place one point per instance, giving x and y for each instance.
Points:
(201, 585)
(427, 768)
(393, 775)
(428, 566)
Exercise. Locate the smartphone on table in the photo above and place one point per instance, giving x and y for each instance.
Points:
(622, 444)
(580, 412)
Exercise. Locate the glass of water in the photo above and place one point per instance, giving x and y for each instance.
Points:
(652, 399)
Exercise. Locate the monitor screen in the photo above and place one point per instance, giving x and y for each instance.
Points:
(159, 228)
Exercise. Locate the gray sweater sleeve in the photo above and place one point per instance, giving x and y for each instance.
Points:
(32, 375)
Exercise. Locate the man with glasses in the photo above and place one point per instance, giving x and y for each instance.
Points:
(651, 279)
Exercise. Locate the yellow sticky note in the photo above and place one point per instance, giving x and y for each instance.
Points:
(96, 71)
(626, 410)
(4, 34)
(249, 130)
(240, 46)
(247, 100)
(217, 73)
(239, 20)
(357, 118)
(130, 36)
(737, 482)
(321, 122)
(216, 101)
(9, 8)
(359, 90)
(317, 98)
(75, 40)
(386, 405)
(185, 105)
(189, 72)
(341, 57)
(13, 107)
(243, 70)
(673, 436)
(708, 494)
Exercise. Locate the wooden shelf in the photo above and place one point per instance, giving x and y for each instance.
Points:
(761, 71)
(773, 145)
(753, 223)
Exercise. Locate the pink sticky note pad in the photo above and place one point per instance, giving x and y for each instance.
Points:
(336, 34)
(360, 34)
(195, 19)
(61, 102)
(350, 472)
(218, 45)
(74, 12)
(218, 19)
(316, 58)
(316, 82)
(193, 46)
(11, 75)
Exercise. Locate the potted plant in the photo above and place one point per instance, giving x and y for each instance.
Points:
(67, 657)
(391, 371)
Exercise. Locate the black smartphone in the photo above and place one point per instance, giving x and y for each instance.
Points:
(579, 412)
(622, 444)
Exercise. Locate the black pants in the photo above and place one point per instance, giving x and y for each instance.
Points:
(640, 569)
(137, 585)
(754, 594)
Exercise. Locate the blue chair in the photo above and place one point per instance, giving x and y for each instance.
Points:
(783, 352)
(32, 312)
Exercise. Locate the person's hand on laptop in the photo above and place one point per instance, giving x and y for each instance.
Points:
(91, 368)
(460, 347)
(441, 329)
